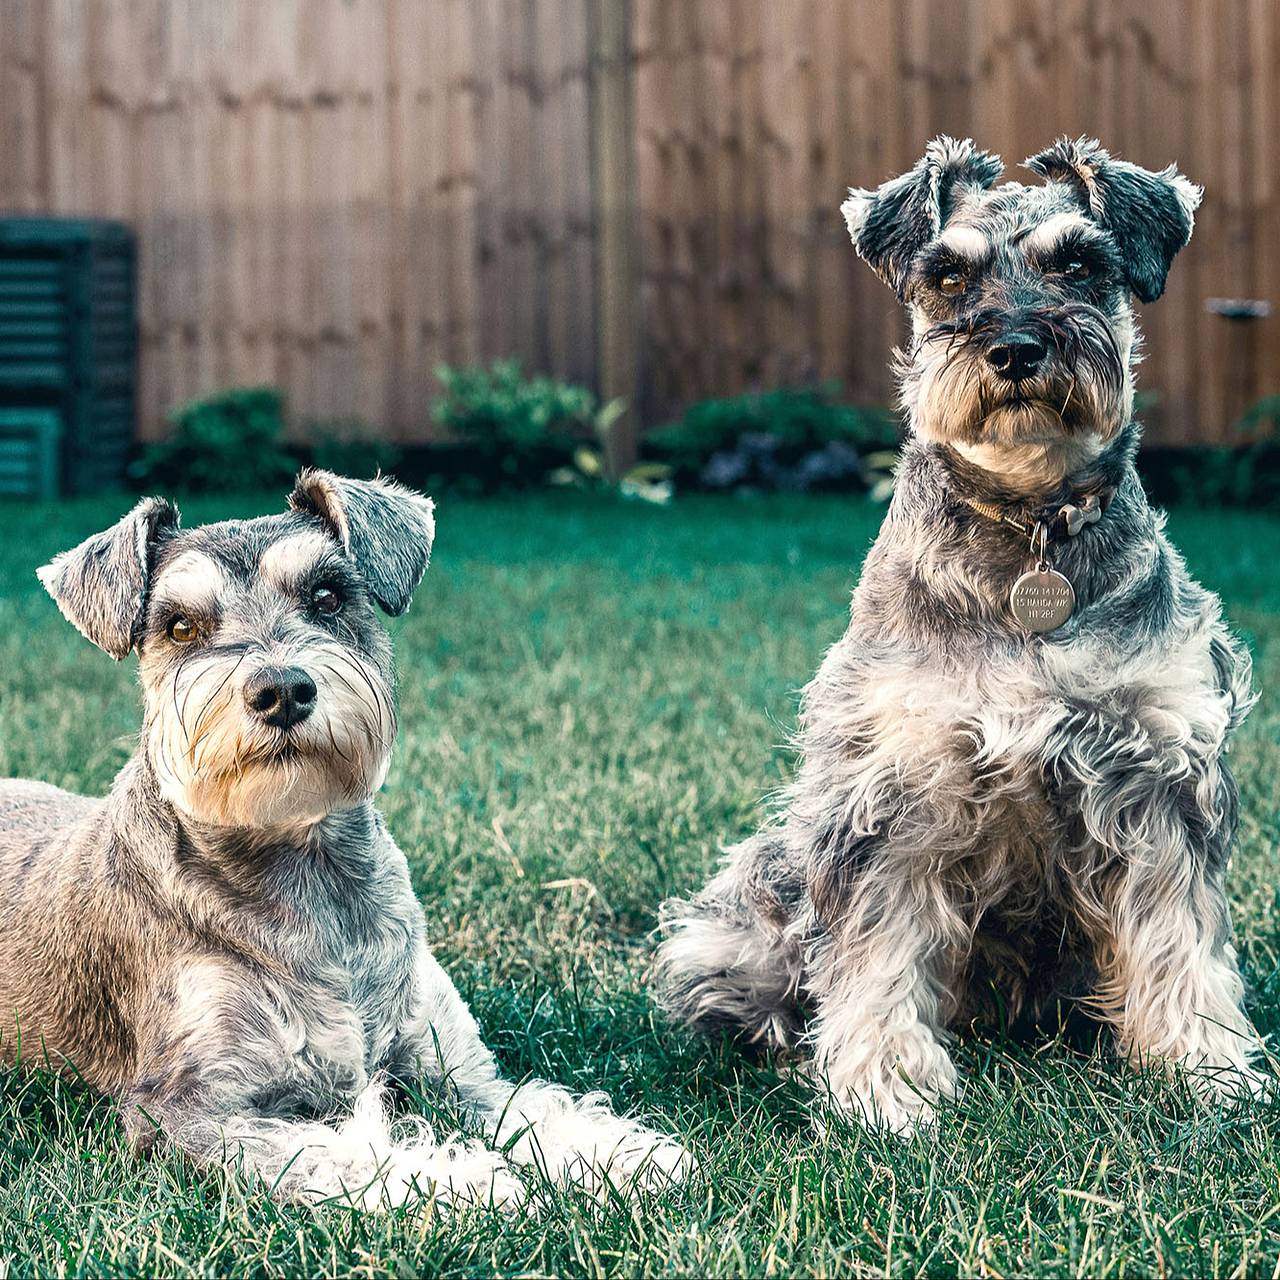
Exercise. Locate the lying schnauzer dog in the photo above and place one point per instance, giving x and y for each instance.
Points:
(1012, 783)
(228, 944)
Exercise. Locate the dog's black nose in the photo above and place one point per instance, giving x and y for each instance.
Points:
(1018, 356)
(281, 696)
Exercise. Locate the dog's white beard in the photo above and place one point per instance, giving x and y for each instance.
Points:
(217, 764)
(952, 399)
(1035, 464)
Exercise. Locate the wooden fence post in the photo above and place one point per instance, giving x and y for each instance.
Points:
(613, 186)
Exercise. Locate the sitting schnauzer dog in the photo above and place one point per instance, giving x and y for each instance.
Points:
(228, 943)
(1012, 786)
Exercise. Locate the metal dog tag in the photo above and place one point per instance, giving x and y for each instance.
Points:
(1042, 599)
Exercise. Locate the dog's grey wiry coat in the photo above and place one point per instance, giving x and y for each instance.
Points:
(982, 815)
(228, 944)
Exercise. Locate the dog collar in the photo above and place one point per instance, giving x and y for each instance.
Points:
(1069, 519)
(1043, 599)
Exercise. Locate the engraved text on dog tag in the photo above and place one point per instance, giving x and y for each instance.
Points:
(1042, 599)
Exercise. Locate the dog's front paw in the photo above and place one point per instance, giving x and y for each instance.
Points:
(884, 1095)
(646, 1161)
(606, 1151)
(495, 1186)
(904, 1111)
(457, 1175)
(377, 1164)
(580, 1142)
(1230, 1085)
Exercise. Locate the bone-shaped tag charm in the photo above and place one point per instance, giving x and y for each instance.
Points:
(1088, 512)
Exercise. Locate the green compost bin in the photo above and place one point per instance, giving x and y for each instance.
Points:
(68, 348)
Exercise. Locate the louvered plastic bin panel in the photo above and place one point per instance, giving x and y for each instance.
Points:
(68, 339)
(30, 453)
(35, 322)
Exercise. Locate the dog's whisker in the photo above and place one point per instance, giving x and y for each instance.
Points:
(374, 709)
(221, 686)
(190, 660)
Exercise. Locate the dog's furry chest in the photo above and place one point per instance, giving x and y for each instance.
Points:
(339, 1006)
(351, 1007)
(316, 980)
(969, 772)
(963, 762)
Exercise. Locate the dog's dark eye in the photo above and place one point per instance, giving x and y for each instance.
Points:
(181, 629)
(1075, 269)
(952, 283)
(325, 598)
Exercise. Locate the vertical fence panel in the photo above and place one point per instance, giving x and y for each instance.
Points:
(612, 194)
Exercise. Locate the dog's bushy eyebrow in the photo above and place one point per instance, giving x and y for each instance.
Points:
(944, 255)
(939, 258)
(164, 603)
(966, 241)
(298, 556)
(332, 563)
(332, 569)
(1094, 248)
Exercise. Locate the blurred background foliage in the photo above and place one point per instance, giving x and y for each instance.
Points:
(508, 430)
(220, 443)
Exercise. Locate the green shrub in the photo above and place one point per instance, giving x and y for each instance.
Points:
(790, 437)
(519, 429)
(348, 451)
(1242, 475)
(231, 440)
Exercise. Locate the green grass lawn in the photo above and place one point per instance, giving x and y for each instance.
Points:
(594, 698)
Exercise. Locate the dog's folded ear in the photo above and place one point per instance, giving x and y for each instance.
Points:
(385, 528)
(1149, 214)
(890, 225)
(101, 585)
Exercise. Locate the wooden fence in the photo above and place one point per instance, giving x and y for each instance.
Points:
(336, 195)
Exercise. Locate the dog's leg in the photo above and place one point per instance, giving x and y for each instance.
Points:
(878, 1034)
(364, 1160)
(222, 1078)
(576, 1141)
(1168, 981)
(1161, 831)
(722, 963)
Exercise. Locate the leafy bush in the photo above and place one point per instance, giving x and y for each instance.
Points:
(226, 441)
(1243, 475)
(519, 429)
(789, 438)
(347, 451)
